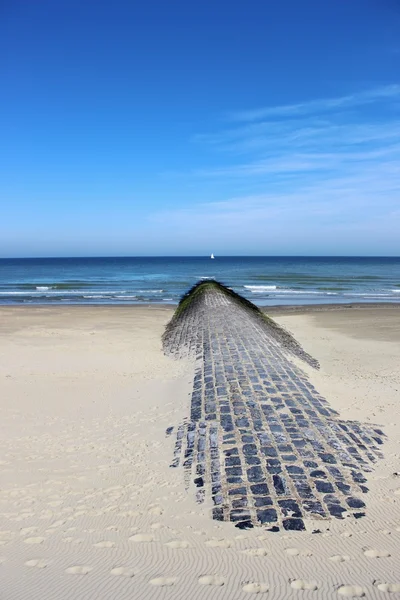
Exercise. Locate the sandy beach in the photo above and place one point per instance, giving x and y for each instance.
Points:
(89, 506)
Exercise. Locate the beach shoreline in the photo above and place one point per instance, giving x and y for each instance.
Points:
(275, 308)
(310, 308)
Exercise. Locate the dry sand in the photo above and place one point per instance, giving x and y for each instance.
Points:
(89, 507)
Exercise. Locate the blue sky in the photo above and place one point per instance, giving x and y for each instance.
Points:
(170, 128)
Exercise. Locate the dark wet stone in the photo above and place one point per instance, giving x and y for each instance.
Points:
(264, 439)
(249, 449)
(252, 460)
(218, 514)
(285, 448)
(233, 471)
(231, 452)
(314, 507)
(262, 501)
(227, 423)
(279, 485)
(335, 472)
(260, 489)
(303, 489)
(267, 516)
(238, 515)
(200, 469)
(255, 474)
(310, 464)
(336, 510)
(199, 482)
(343, 487)
(355, 502)
(232, 461)
(319, 474)
(294, 470)
(327, 458)
(289, 458)
(200, 495)
(241, 491)
(289, 508)
(358, 477)
(324, 487)
(293, 524)
(325, 412)
(269, 451)
(273, 462)
(211, 417)
(378, 440)
(274, 470)
(215, 466)
(244, 525)
(234, 480)
(239, 502)
(169, 430)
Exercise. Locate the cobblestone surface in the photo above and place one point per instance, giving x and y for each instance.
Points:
(260, 440)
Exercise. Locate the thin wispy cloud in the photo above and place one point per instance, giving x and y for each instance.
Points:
(333, 165)
(320, 105)
(305, 162)
(329, 214)
(340, 142)
(310, 133)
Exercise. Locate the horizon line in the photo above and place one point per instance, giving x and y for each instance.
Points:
(201, 256)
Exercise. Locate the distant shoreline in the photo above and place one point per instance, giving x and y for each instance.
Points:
(275, 309)
(310, 308)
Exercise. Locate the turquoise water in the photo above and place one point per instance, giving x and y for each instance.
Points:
(264, 280)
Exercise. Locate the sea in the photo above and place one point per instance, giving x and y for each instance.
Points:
(266, 281)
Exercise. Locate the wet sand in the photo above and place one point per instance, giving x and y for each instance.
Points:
(89, 507)
(363, 321)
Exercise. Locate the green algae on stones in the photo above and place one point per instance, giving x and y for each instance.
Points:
(194, 295)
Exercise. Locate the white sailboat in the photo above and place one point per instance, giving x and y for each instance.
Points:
(212, 256)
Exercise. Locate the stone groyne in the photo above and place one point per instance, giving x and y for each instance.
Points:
(260, 441)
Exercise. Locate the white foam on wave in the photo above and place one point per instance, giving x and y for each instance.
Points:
(53, 292)
(260, 288)
(369, 294)
(43, 288)
(149, 291)
(307, 292)
(13, 293)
